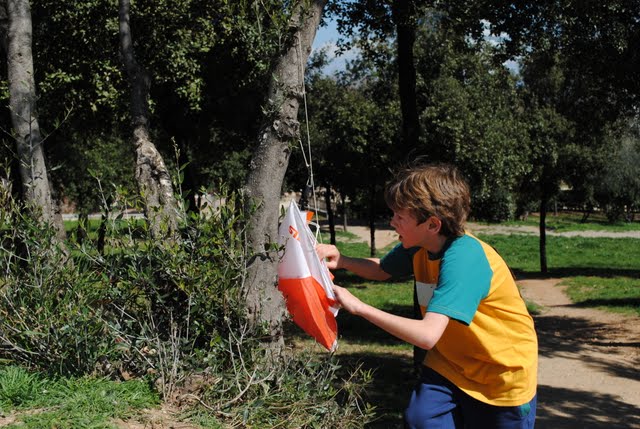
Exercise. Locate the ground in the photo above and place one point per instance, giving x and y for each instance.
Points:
(588, 374)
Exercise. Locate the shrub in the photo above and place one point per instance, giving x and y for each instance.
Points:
(48, 316)
(496, 206)
(170, 311)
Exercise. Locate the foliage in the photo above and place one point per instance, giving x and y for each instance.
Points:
(92, 159)
(473, 118)
(209, 63)
(597, 43)
(170, 312)
(299, 392)
(618, 189)
(46, 317)
(353, 126)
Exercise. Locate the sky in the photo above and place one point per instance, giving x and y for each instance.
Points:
(327, 37)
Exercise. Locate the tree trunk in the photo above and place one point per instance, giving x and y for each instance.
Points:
(344, 211)
(330, 216)
(279, 132)
(152, 176)
(372, 218)
(36, 190)
(543, 233)
(404, 16)
(586, 213)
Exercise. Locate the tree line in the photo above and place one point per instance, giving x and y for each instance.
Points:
(535, 102)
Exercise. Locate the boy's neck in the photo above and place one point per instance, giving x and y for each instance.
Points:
(436, 245)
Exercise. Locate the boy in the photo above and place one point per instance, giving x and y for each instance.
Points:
(481, 368)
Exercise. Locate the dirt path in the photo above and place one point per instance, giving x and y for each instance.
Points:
(589, 370)
(588, 375)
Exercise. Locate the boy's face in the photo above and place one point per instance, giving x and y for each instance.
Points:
(411, 234)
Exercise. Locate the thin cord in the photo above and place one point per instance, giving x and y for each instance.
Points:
(309, 162)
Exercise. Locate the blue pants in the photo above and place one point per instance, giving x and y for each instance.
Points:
(436, 403)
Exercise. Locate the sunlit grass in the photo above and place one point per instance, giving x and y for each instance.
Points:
(568, 255)
(619, 294)
(70, 402)
(571, 221)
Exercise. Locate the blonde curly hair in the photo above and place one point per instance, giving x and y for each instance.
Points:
(428, 190)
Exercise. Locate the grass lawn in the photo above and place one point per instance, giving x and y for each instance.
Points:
(599, 272)
(32, 401)
(571, 221)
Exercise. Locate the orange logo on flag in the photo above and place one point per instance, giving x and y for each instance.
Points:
(294, 233)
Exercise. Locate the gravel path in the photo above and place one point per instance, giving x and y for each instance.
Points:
(385, 235)
(533, 230)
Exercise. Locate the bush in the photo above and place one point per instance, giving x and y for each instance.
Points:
(496, 206)
(48, 316)
(170, 311)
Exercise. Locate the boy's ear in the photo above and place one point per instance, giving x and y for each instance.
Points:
(434, 224)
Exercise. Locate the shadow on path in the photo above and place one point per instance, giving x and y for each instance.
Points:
(560, 408)
(573, 338)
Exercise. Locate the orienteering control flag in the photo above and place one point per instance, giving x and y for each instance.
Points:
(305, 281)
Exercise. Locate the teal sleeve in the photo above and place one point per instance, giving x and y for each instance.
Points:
(465, 278)
(399, 261)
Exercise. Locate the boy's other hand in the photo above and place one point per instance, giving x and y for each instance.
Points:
(331, 254)
(347, 300)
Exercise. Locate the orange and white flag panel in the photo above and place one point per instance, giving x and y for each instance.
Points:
(305, 281)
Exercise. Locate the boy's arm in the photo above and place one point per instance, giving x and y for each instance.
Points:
(423, 333)
(368, 268)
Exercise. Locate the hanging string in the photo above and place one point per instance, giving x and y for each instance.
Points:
(308, 161)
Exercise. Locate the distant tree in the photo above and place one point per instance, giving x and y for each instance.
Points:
(355, 126)
(580, 60)
(36, 189)
(154, 180)
(473, 118)
(618, 189)
(597, 42)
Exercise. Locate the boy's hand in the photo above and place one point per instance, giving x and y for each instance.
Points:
(347, 300)
(332, 255)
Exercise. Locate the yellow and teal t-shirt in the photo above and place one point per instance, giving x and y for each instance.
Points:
(489, 349)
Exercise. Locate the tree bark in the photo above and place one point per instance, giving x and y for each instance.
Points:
(330, 216)
(152, 176)
(344, 211)
(404, 16)
(278, 133)
(543, 232)
(36, 189)
(372, 219)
